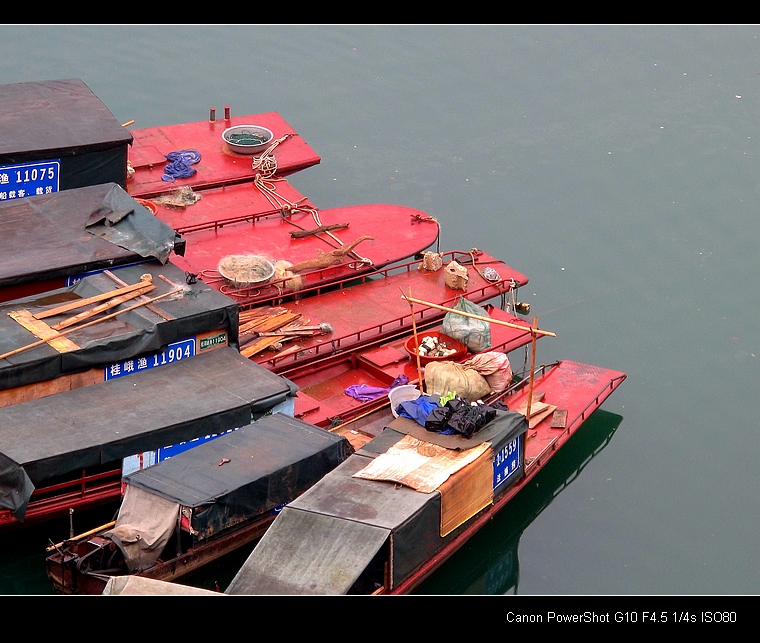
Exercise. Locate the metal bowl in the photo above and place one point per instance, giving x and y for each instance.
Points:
(256, 130)
(243, 271)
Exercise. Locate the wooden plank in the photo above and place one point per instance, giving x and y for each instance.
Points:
(535, 408)
(537, 418)
(44, 332)
(57, 334)
(559, 420)
(80, 303)
(269, 324)
(107, 305)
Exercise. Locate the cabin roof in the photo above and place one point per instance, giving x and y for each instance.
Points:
(55, 115)
(108, 421)
(65, 234)
(196, 311)
(258, 459)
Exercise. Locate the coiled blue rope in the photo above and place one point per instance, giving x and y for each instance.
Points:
(179, 166)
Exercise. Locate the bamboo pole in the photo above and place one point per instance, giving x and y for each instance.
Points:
(145, 280)
(532, 367)
(416, 342)
(481, 318)
(86, 534)
(90, 323)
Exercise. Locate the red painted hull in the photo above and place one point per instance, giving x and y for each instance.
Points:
(579, 388)
(218, 164)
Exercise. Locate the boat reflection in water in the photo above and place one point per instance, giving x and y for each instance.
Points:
(469, 571)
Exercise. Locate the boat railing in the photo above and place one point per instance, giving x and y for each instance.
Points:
(57, 498)
(522, 380)
(257, 297)
(389, 328)
(221, 223)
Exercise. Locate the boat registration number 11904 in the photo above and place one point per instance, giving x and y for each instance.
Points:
(173, 353)
(29, 179)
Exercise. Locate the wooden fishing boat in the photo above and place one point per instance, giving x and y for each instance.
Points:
(65, 451)
(217, 163)
(263, 242)
(471, 574)
(51, 240)
(386, 518)
(370, 308)
(186, 512)
(107, 325)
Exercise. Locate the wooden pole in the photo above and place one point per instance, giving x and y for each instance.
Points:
(90, 323)
(532, 367)
(145, 280)
(481, 318)
(416, 342)
(86, 534)
(106, 305)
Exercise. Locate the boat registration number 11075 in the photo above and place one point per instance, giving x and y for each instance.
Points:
(29, 179)
(173, 353)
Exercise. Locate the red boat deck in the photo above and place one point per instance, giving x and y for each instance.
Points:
(579, 389)
(218, 165)
(240, 220)
(373, 309)
(322, 399)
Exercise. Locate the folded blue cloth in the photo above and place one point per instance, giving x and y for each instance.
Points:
(418, 409)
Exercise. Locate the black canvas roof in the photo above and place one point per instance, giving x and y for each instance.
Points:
(61, 116)
(63, 122)
(57, 236)
(105, 422)
(196, 309)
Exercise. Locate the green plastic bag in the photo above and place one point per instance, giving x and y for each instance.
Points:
(473, 333)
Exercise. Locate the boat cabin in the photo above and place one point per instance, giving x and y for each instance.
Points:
(50, 240)
(189, 320)
(59, 448)
(57, 135)
(191, 509)
(387, 510)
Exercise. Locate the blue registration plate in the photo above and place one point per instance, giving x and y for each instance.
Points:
(29, 179)
(506, 463)
(173, 353)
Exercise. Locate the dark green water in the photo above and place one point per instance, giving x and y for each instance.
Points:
(616, 166)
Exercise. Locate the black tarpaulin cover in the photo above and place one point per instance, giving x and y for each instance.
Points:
(228, 481)
(197, 309)
(63, 119)
(106, 422)
(15, 487)
(124, 222)
(47, 237)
